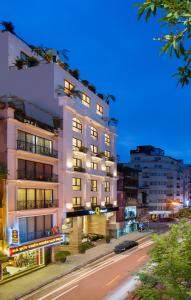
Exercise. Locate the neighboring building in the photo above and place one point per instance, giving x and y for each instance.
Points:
(161, 178)
(60, 154)
(129, 199)
(187, 185)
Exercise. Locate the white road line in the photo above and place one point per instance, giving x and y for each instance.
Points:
(72, 288)
(114, 279)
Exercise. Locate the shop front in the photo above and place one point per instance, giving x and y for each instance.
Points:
(26, 257)
(129, 223)
(83, 223)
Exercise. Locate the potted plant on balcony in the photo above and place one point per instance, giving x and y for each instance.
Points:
(101, 154)
(108, 238)
(19, 63)
(33, 61)
(63, 65)
(85, 82)
(100, 95)
(92, 88)
(75, 73)
(8, 26)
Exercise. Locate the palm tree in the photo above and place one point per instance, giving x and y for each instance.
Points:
(8, 26)
(113, 121)
(107, 98)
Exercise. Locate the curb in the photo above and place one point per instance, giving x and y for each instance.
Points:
(69, 272)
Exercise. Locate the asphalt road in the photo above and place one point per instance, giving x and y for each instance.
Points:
(96, 281)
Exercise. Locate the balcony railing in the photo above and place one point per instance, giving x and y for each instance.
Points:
(36, 204)
(80, 149)
(109, 174)
(111, 158)
(108, 205)
(23, 174)
(78, 207)
(29, 147)
(79, 169)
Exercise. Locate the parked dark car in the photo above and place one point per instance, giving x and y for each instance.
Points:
(125, 246)
(95, 237)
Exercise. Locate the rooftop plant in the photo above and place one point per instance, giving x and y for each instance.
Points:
(8, 26)
(75, 73)
(19, 63)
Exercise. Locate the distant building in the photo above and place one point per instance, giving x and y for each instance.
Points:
(129, 199)
(160, 177)
(187, 185)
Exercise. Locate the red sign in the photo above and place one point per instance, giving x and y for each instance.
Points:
(43, 243)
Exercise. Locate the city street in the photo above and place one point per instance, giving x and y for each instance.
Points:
(97, 280)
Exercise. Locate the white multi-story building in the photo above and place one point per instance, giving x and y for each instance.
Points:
(187, 185)
(60, 181)
(161, 177)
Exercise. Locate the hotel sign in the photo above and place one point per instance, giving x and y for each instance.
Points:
(15, 236)
(96, 211)
(43, 243)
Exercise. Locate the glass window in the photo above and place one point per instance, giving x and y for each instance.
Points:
(77, 125)
(94, 185)
(76, 201)
(107, 154)
(76, 184)
(108, 169)
(77, 162)
(94, 133)
(107, 186)
(107, 139)
(85, 100)
(68, 87)
(107, 200)
(93, 200)
(94, 165)
(76, 143)
(94, 149)
(99, 109)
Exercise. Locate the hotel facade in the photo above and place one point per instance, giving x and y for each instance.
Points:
(60, 157)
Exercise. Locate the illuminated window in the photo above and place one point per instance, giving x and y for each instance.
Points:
(94, 149)
(76, 184)
(107, 200)
(93, 185)
(77, 162)
(99, 109)
(76, 144)
(93, 201)
(76, 201)
(108, 169)
(107, 186)
(68, 87)
(76, 125)
(85, 100)
(107, 154)
(94, 133)
(107, 139)
(94, 165)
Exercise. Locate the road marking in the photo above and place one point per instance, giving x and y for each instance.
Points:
(72, 288)
(114, 279)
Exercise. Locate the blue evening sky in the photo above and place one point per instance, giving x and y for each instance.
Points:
(116, 53)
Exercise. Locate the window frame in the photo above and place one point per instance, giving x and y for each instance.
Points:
(75, 146)
(78, 201)
(76, 125)
(99, 109)
(76, 184)
(107, 139)
(68, 89)
(92, 148)
(94, 133)
(94, 185)
(84, 100)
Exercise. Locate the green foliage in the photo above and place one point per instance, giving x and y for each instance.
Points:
(3, 173)
(170, 274)
(8, 26)
(85, 246)
(176, 16)
(184, 213)
(61, 255)
(32, 61)
(108, 238)
(19, 63)
(75, 73)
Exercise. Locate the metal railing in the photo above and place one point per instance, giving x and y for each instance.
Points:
(36, 204)
(25, 175)
(30, 147)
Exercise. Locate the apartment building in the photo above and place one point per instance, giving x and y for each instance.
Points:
(161, 178)
(61, 181)
(187, 185)
(130, 199)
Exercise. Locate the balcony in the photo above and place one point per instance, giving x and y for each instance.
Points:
(109, 174)
(79, 169)
(111, 158)
(108, 205)
(24, 175)
(36, 204)
(42, 150)
(78, 207)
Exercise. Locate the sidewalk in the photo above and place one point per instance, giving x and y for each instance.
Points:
(25, 285)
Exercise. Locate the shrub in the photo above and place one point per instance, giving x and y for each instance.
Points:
(61, 255)
(85, 246)
(108, 238)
